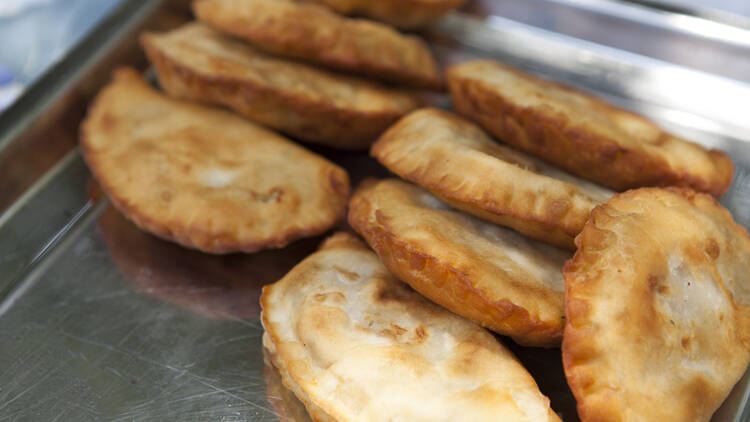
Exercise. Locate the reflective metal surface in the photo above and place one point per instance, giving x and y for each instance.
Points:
(26, 50)
(688, 40)
(731, 12)
(101, 321)
(711, 103)
(123, 326)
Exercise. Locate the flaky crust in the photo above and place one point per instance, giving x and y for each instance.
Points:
(311, 410)
(658, 308)
(195, 62)
(314, 33)
(582, 134)
(360, 346)
(404, 14)
(206, 178)
(287, 406)
(458, 162)
(491, 275)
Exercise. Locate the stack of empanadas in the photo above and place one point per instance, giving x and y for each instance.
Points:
(260, 73)
(198, 63)
(656, 310)
(354, 344)
(653, 310)
(214, 181)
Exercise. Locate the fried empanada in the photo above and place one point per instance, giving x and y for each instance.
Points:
(206, 178)
(658, 308)
(354, 344)
(582, 134)
(197, 63)
(287, 406)
(404, 14)
(489, 274)
(459, 163)
(314, 33)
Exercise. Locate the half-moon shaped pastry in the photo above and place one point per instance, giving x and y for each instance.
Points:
(206, 178)
(316, 34)
(459, 163)
(658, 308)
(287, 406)
(404, 14)
(354, 344)
(197, 63)
(489, 274)
(582, 134)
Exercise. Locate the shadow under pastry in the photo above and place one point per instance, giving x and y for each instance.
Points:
(215, 286)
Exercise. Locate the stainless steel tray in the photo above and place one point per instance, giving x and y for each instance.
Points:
(100, 321)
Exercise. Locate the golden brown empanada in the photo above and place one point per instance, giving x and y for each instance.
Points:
(354, 344)
(198, 63)
(458, 162)
(658, 308)
(489, 274)
(206, 178)
(582, 134)
(316, 34)
(404, 14)
(287, 406)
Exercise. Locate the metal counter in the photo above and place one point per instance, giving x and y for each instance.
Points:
(101, 321)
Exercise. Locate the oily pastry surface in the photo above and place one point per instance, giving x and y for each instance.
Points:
(489, 274)
(357, 345)
(311, 409)
(458, 162)
(404, 14)
(582, 134)
(287, 406)
(658, 308)
(198, 63)
(206, 178)
(314, 33)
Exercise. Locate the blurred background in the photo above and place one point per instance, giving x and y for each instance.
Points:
(740, 7)
(34, 34)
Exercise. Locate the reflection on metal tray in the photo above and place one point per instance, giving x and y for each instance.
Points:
(101, 321)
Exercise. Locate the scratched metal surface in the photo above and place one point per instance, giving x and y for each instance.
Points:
(100, 321)
(126, 327)
(115, 324)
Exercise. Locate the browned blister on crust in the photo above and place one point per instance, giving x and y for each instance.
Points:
(404, 14)
(582, 134)
(316, 34)
(489, 274)
(198, 63)
(206, 178)
(455, 160)
(354, 344)
(658, 308)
